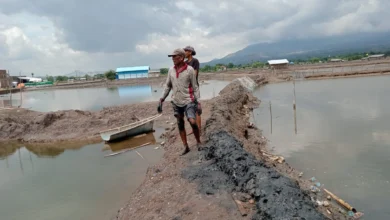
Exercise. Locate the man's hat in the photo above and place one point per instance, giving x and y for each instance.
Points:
(189, 48)
(178, 52)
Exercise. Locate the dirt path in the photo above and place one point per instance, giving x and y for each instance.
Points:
(202, 184)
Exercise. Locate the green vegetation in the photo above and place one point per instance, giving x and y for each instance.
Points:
(262, 64)
(110, 75)
(164, 71)
(49, 78)
(99, 76)
(61, 78)
(223, 67)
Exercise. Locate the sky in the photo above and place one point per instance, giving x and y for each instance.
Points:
(56, 37)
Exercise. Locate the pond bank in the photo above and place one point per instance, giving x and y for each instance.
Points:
(202, 185)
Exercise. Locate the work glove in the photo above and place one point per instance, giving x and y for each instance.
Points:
(160, 104)
(199, 108)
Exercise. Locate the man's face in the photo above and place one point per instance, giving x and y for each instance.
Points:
(188, 53)
(177, 59)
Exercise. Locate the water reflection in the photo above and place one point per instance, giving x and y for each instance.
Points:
(130, 143)
(343, 136)
(96, 98)
(40, 150)
(73, 181)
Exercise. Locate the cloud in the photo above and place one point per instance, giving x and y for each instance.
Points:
(60, 36)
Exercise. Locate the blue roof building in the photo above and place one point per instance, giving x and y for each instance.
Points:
(132, 72)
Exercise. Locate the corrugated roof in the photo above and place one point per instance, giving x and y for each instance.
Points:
(282, 61)
(133, 68)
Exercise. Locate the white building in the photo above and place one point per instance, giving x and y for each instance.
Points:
(278, 64)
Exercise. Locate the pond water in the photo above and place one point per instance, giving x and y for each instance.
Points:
(97, 98)
(342, 138)
(41, 182)
(77, 181)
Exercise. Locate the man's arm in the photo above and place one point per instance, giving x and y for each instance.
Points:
(167, 87)
(196, 67)
(194, 84)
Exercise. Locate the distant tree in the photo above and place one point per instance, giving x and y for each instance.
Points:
(257, 65)
(315, 60)
(87, 77)
(206, 68)
(50, 78)
(230, 65)
(61, 78)
(99, 76)
(32, 74)
(164, 71)
(110, 75)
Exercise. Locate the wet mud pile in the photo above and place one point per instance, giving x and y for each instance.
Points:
(225, 165)
(231, 168)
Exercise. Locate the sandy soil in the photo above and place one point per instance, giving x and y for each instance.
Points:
(202, 184)
(350, 74)
(71, 125)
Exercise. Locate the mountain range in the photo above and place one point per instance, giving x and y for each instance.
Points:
(293, 49)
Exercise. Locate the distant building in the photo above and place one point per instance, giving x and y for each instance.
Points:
(132, 72)
(336, 60)
(222, 68)
(376, 57)
(278, 64)
(154, 73)
(5, 80)
(26, 79)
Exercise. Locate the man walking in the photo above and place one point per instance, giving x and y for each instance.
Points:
(185, 98)
(192, 61)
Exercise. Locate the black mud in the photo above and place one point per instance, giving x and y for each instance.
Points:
(227, 166)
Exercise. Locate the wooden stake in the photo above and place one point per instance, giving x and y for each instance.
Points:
(341, 202)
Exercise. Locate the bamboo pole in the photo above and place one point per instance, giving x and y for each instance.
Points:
(126, 150)
(270, 112)
(6, 161)
(10, 89)
(295, 109)
(31, 160)
(341, 202)
(240, 207)
(140, 155)
(21, 97)
(20, 160)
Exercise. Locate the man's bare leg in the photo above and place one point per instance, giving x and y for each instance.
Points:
(198, 121)
(183, 134)
(195, 130)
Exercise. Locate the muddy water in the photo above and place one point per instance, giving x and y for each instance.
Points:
(342, 139)
(40, 182)
(97, 98)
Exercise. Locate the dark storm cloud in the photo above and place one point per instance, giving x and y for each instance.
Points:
(102, 26)
(118, 26)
